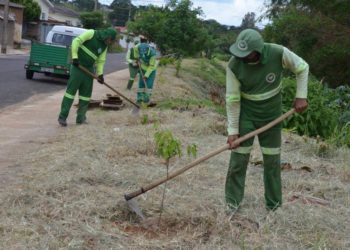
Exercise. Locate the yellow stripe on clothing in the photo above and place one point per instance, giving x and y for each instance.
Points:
(263, 96)
(243, 150)
(84, 98)
(69, 96)
(270, 151)
(87, 51)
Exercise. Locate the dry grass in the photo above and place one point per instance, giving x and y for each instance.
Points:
(71, 196)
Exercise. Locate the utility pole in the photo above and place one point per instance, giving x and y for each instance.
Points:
(95, 7)
(4, 27)
(129, 16)
(129, 19)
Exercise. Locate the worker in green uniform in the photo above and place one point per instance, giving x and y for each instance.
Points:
(146, 57)
(253, 99)
(88, 50)
(133, 66)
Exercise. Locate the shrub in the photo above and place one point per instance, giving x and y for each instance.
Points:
(321, 118)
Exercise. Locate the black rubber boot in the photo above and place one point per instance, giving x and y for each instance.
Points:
(62, 122)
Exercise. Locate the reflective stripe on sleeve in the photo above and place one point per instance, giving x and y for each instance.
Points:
(232, 98)
(301, 67)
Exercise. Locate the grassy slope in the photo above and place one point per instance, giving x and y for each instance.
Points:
(71, 196)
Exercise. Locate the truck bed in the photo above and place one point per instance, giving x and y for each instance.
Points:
(48, 58)
(49, 55)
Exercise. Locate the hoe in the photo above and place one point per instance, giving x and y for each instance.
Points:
(129, 197)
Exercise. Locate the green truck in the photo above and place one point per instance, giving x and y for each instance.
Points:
(48, 59)
(54, 56)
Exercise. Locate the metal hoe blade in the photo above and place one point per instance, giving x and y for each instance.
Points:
(135, 111)
(135, 207)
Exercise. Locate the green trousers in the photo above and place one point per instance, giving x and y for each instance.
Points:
(78, 81)
(133, 72)
(144, 92)
(270, 144)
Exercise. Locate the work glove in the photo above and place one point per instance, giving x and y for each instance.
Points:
(76, 62)
(100, 79)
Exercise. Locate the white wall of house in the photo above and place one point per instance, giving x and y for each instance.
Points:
(45, 9)
(73, 21)
(17, 33)
(123, 40)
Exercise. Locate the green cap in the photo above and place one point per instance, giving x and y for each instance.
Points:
(106, 33)
(248, 40)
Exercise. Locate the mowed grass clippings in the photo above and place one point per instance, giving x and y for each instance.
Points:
(71, 196)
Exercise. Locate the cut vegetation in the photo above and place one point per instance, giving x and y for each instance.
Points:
(71, 193)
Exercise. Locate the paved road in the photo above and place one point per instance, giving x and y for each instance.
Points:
(14, 87)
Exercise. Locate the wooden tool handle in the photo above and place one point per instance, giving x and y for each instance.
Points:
(107, 85)
(206, 157)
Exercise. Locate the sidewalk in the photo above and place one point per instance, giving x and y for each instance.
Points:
(26, 125)
(11, 52)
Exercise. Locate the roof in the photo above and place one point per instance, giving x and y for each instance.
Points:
(14, 5)
(64, 11)
(121, 29)
(48, 3)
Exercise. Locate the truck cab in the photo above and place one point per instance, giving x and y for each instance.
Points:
(54, 56)
(63, 35)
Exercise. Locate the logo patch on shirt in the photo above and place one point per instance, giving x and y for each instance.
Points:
(271, 77)
(99, 50)
(242, 45)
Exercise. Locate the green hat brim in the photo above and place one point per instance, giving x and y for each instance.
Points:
(237, 52)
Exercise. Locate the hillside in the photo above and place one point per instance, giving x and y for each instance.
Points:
(71, 192)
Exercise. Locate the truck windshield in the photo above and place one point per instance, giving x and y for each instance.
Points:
(62, 39)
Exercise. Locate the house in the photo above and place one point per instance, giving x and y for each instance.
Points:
(51, 15)
(126, 40)
(15, 22)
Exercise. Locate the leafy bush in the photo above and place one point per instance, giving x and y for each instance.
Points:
(166, 60)
(93, 20)
(320, 40)
(325, 113)
(222, 57)
(341, 136)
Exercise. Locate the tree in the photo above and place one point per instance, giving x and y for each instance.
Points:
(248, 21)
(149, 22)
(316, 30)
(31, 9)
(92, 20)
(84, 5)
(120, 14)
(223, 36)
(174, 28)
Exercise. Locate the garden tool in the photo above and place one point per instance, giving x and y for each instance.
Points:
(133, 205)
(143, 79)
(107, 85)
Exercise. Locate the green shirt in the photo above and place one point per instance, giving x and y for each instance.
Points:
(90, 50)
(256, 87)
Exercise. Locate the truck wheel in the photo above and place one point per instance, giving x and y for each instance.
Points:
(29, 74)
